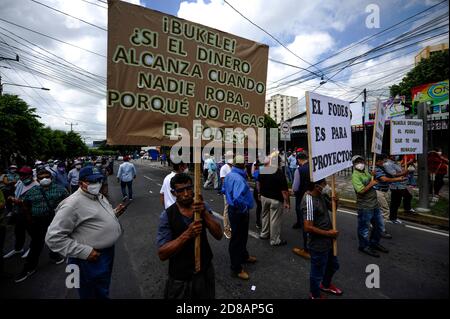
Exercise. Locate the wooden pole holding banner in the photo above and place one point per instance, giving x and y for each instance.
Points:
(373, 164)
(197, 189)
(333, 210)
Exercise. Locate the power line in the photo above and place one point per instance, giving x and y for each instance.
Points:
(53, 38)
(95, 4)
(51, 8)
(276, 40)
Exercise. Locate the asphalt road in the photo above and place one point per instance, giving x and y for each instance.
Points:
(417, 265)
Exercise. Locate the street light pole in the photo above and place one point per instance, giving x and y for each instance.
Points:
(26, 86)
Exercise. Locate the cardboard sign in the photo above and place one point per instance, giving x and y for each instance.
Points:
(329, 135)
(406, 137)
(164, 72)
(378, 132)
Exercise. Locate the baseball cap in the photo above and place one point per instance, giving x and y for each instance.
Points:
(91, 174)
(25, 170)
(356, 157)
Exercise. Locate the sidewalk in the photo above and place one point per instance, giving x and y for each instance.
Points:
(347, 198)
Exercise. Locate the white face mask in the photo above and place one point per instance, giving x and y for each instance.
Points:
(45, 181)
(98, 165)
(94, 189)
(186, 170)
(360, 166)
(78, 167)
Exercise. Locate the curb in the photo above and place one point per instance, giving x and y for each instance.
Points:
(424, 219)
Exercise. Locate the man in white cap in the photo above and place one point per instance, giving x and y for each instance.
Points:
(224, 171)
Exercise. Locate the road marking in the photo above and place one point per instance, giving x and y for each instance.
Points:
(150, 192)
(347, 212)
(148, 177)
(427, 230)
(408, 226)
(250, 232)
(158, 184)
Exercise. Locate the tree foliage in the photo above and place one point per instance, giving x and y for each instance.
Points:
(23, 138)
(433, 69)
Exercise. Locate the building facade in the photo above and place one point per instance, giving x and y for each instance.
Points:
(281, 107)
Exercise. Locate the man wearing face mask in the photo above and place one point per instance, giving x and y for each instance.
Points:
(9, 180)
(73, 177)
(39, 205)
(25, 183)
(61, 176)
(176, 241)
(86, 228)
(368, 209)
(166, 197)
(315, 208)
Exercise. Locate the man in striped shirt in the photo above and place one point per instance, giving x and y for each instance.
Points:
(315, 206)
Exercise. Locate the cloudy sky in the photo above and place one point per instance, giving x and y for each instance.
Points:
(68, 56)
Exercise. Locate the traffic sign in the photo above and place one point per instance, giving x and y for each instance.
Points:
(285, 131)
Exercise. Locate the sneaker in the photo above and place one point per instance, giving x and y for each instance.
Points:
(251, 260)
(380, 248)
(26, 253)
(301, 252)
(243, 275)
(332, 289)
(24, 275)
(321, 297)
(12, 253)
(227, 234)
(281, 243)
(412, 212)
(369, 251)
(396, 221)
(258, 227)
(124, 199)
(386, 235)
(59, 261)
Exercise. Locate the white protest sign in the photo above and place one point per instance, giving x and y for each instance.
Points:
(378, 132)
(329, 135)
(406, 137)
(285, 131)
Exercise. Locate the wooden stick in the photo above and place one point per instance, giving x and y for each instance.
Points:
(333, 212)
(373, 164)
(197, 186)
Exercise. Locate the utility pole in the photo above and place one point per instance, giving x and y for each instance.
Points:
(423, 205)
(71, 124)
(1, 59)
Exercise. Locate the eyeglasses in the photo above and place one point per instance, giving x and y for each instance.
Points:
(189, 188)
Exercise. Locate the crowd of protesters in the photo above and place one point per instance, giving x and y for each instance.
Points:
(65, 204)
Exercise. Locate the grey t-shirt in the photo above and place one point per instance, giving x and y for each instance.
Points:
(316, 209)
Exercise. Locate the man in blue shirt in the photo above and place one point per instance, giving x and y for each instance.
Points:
(126, 174)
(240, 201)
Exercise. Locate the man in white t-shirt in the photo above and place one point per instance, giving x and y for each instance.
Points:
(224, 172)
(165, 195)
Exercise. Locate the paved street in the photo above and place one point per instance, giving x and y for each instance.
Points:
(417, 265)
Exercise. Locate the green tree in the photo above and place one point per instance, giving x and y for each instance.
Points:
(269, 122)
(19, 131)
(433, 69)
(74, 145)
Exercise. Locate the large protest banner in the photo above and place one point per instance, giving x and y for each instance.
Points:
(406, 137)
(329, 135)
(164, 72)
(378, 132)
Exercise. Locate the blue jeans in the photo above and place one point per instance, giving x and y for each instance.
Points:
(323, 266)
(95, 277)
(130, 189)
(365, 218)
